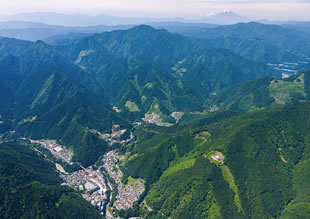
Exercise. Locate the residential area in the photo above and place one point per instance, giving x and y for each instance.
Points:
(91, 181)
(127, 194)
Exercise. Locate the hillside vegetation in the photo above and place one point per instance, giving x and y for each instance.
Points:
(199, 132)
(263, 93)
(256, 41)
(264, 153)
(44, 96)
(148, 66)
(30, 187)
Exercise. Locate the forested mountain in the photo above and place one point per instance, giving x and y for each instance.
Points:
(30, 187)
(263, 93)
(254, 49)
(273, 34)
(48, 97)
(142, 52)
(259, 42)
(11, 46)
(230, 138)
(263, 174)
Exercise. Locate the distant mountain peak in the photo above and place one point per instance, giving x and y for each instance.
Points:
(227, 13)
(225, 17)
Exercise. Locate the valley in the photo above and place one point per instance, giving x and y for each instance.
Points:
(101, 184)
(168, 120)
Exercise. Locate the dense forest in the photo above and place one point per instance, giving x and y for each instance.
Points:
(30, 187)
(193, 125)
(265, 153)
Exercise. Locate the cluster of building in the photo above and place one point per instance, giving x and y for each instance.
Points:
(88, 181)
(127, 194)
(153, 118)
(91, 183)
(288, 68)
(60, 152)
(114, 137)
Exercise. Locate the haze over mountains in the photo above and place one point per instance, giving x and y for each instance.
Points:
(168, 119)
(226, 17)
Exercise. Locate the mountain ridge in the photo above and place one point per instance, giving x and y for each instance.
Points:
(193, 65)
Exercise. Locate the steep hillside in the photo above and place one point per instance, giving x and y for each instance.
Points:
(167, 50)
(10, 46)
(47, 97)
(241, 166)
(30, 187)
(262, 93)
(210, 153)
(179, 66)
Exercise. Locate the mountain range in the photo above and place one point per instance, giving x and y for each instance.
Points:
(188, 63)
(37, 83)
(226, 17)
(259, 42)
(199, 122)
(164, 74)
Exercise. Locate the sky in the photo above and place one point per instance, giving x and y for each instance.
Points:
(261, 9)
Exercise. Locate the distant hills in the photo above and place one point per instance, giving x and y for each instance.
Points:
(77, 20)
(226, 17)
(273, 34)
(209, 123)
(34, 31)
(259, 42)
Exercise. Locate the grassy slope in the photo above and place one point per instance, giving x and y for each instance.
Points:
(254, 181)
(262, 93)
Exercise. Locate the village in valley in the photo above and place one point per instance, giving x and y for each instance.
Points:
(102, 184)
(127, 194)
(98, 183)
